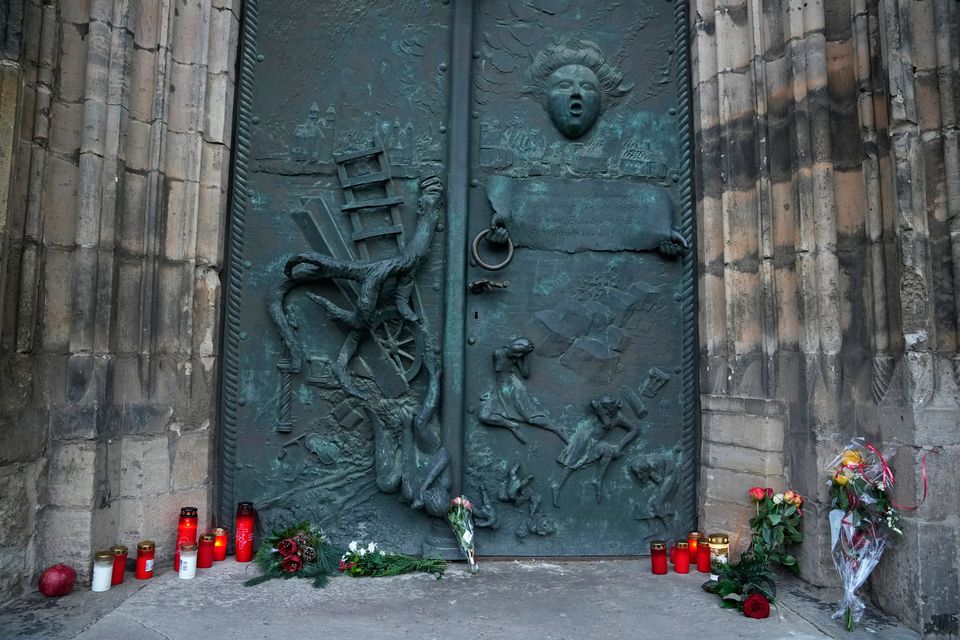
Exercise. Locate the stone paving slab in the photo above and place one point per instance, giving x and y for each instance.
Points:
(512, 600)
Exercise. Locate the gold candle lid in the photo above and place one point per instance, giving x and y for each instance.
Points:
(718, 538)
(694, 535)
(658, 545)
(207, 537)
(219, 531)
(146, 545)
(188, 547)
(119, 550)
(103, 556)
(681, 544)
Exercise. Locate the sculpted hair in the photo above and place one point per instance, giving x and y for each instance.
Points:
(580, 52)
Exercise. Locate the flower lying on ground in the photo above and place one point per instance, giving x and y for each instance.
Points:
(369, 561)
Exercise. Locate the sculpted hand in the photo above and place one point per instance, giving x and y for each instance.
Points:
(674, 245)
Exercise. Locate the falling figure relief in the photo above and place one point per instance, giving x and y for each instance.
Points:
(509, 404)
(587, 447)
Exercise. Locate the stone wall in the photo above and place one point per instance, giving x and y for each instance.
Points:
(112, 233)
(829, 242)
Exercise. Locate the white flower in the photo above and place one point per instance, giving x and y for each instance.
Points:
(778, 498)
(362, 552)
(353, 546)
(371, 547)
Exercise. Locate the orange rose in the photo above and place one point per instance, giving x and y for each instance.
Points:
(792, 497)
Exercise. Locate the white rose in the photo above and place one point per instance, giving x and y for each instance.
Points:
(353, 546)
(371, 547)
(778, 498)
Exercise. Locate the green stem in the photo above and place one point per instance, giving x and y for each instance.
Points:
(848, 619)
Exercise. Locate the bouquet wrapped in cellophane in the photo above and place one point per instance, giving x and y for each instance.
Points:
(461, 521)
(863, 521)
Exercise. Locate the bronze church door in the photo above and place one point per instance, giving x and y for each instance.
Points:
(459, 263)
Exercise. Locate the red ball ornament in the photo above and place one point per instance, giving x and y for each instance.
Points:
(57, 581)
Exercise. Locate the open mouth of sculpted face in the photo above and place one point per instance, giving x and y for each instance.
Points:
(576, 108)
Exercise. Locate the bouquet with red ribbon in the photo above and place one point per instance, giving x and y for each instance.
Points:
(864, 519)
(301, 551)
(461, 521)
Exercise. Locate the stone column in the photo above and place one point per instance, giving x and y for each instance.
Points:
(116, 237)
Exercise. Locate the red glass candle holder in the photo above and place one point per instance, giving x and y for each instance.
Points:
(658, 557)
(703, 557)
(243, 531)
(205, 551)
(119, 563)
(186, 531)
(682, 557)
(693, 540)
(219, 544)
(145, 553)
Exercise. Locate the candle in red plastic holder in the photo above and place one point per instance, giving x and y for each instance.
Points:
(145, 552)
(658, 557)
(243, 531)
(703, 557)
(205, 551)
(186, 531)
(693, 539)
(682, 557)
(119, 563)
(219, 544)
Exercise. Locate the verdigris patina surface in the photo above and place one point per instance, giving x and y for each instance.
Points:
(464, 232)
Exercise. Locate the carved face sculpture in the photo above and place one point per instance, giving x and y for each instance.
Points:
(573, 99)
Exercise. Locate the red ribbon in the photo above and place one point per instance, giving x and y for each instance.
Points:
(888, 477)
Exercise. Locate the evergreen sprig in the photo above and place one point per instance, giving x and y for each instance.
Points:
(319, 569)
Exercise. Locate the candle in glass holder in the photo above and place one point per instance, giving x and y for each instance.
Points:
(119, 563)
(145, 552)
(243, 532)
(703, 557)
(102, 571)
(219, 544)
(682, 557)
(186, 531)
(188, 562)
(693, 539)
(205, 551)
(719, 553)
(658, 557)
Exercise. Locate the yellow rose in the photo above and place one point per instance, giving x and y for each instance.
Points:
(840, 478)
(850, 458)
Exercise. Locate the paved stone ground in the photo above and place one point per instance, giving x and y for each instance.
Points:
(512, 600)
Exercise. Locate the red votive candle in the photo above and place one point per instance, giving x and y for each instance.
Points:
(658, 557)
(243, 531)
(119, 563)
(219, 544)
(205, 551)
(682, 557)
(693, 539)
(186, 531)
(703, 557)
(145, 552)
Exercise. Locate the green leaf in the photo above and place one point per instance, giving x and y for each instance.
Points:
(787, 560)
(774, 518)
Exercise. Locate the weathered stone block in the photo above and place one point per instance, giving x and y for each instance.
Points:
(23, 435)
(143, 85)
(65, 121)
(64, 535)
(174, 304)
(72, 71)
(763, 434)
(725, 485)
(211, 219)
(735, 458)
(74, 422)
(137, 150)
(192, 460)
(185, 98)
(183, 157)
(189, 31)
(72, 475)
(57, 295)
(146, 419)
(218, 109)
(180, 226)
(15, 506)
(224, 33)
(144, 467)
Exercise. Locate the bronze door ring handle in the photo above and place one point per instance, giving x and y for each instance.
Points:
(475, 249)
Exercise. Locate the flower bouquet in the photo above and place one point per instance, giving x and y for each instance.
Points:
(750, 584)
(301, 551)
(863, 520)
(461, 521)
(369, 561)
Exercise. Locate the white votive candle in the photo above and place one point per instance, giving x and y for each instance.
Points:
(188, 562)
(102, 571)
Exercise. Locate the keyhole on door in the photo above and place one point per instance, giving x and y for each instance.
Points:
(476, 315)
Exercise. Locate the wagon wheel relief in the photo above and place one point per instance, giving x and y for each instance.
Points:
(401, 342)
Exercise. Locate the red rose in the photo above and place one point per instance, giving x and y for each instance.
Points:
(287, 547)
(291, 564)
(756, 606)
(757, 494)
(769, 492)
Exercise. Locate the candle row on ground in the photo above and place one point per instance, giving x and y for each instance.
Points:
(190, 554)
(707, 554)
